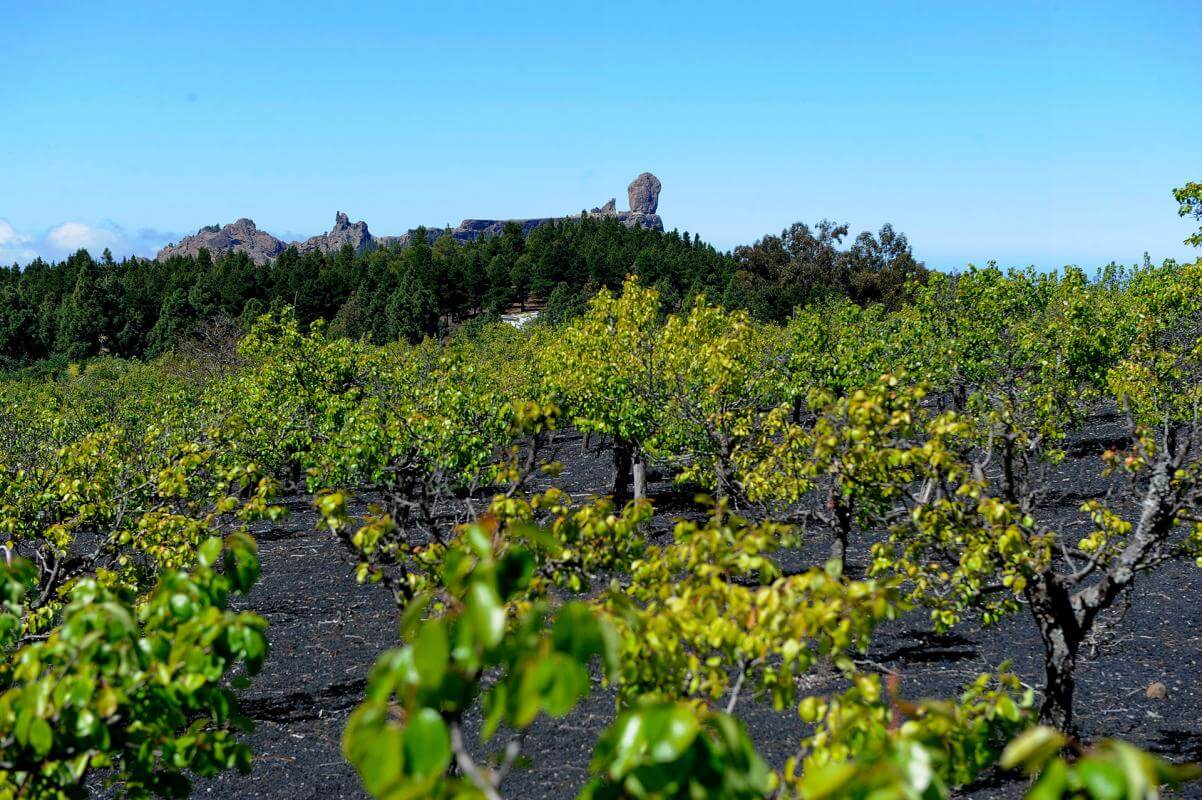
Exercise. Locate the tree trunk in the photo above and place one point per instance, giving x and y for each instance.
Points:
(1010, 485)
(959, 397)
(724, 476)
(1060, 662)
(839, 550)
(640, 474)
(621, 473)
(584, 441)
(295, 475)
(1058, 627)
(720, 480)
(841, 514)
(797, 410)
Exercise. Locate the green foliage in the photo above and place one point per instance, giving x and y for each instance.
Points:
(932, 427)
(117, 635)
(135, 688)
(805, 265)
(845, 471)
(714, 603)
(402, 739)
(671, 750)
(867, 740)
(119, 504)
(618, 338)
(1159, 376)
(1189, 198)
(717, 378)
(83, 307)
(835, 346)
(294, 397)
(1109, 769)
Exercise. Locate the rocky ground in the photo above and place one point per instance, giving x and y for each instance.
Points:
(326, 631)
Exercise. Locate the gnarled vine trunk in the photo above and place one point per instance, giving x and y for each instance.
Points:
(724, 474)
(841, 519)
(1065, 617)
(1051, 605)
(640, 474)
(620, 484)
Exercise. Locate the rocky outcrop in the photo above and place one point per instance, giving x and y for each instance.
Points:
(472, 229)
(644, 194)
(344, 232)
(242, 235)
(262, 247)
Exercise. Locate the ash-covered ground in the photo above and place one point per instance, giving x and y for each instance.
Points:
(326, 631)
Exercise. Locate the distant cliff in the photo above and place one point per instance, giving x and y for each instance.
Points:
(344, 232)
(262, 247)
(643, 194)
(242, 235)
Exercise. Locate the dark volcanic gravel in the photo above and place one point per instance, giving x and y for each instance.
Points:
(326, 631)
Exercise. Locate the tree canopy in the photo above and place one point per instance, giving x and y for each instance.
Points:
(83, 307)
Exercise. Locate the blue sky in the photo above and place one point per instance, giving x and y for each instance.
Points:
(1030, 133)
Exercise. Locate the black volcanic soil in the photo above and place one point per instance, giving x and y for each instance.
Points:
(326, 631)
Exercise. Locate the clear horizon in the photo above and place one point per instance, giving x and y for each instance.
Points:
(1023, 134)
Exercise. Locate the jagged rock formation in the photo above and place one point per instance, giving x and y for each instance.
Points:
(242, 235)
(644, 194)
(472, 229)
(343, 233)
(262, 247)
(644, 201)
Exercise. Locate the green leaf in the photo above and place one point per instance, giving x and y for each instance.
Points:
(827, 781)
(529, 696)
(577, 632)
(209, 552)
(427, 744)
(669, 730)
(41, 738)
(1102, 779)
(431, 649)
(564, 681)
(538, 536)
(486, 614)
(414, 613)
(241, 561)
(1032, 749)
(381, 761)
(479, 542)
(496, 702)
(1051, 784)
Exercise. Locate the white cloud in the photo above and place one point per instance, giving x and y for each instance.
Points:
(72, 236)
(14, 247)
(64, 239)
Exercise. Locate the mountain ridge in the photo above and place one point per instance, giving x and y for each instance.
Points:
(243, 235)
